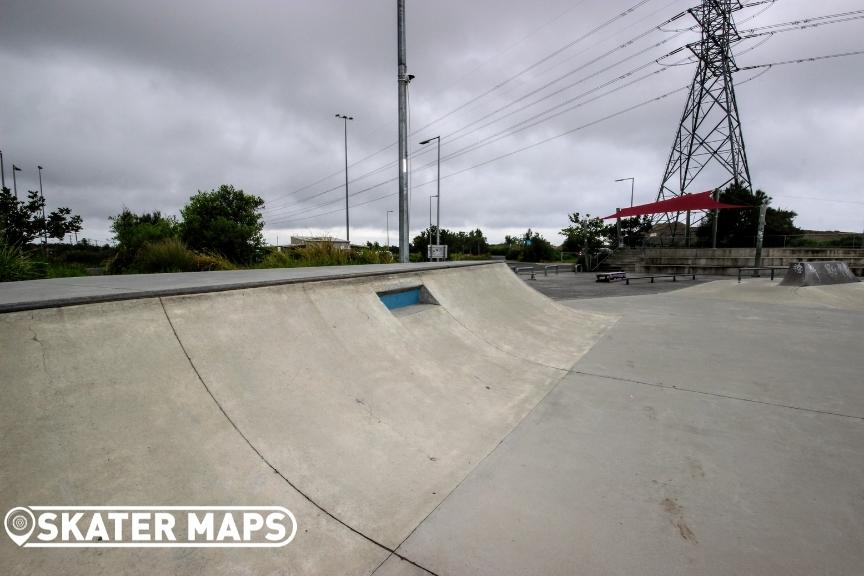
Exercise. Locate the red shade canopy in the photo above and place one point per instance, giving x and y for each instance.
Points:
(683, 203)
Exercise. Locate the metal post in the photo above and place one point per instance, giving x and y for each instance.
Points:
(687, 231)
(438, 196)
(760, 234)
(403, 80)
(2, 170)
(716, 217)
(388, 229)
(44, 222)
(345, 118)
(618, 229)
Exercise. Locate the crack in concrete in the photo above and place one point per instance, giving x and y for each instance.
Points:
(270, 465)
(718, 395)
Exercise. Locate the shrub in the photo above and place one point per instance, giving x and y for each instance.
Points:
(133, 231)
(15, 265)
(171, 255)
(324, 254)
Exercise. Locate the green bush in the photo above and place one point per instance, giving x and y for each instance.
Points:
(133, 231)
(227, 221)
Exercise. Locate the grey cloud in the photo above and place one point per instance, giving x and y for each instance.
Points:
(142, 104)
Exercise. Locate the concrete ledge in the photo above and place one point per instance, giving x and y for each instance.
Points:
(58, 292)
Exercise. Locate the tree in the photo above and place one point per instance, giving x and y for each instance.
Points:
(226, 221)
(534, 248)
(738, 228)
(585, 235)
(132, 231)
(21, 222)
(633, 231)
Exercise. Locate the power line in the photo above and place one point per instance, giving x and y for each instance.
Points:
(506, 81)
(501, 134)
(626, 44)
(473, 70)
(502, 156)
(803, 60)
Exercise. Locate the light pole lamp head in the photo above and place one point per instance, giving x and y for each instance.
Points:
(424, 142)
(39, 167)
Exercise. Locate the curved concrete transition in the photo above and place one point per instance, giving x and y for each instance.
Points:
(312, 396)
(840, 296)
(818, 274)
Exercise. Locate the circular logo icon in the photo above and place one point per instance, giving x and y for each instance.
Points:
(19, 523)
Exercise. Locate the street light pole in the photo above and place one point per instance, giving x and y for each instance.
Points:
(347, 221)
(388, 229)
(2, 170)
(632, 187)
(438, 195)
(14, 179)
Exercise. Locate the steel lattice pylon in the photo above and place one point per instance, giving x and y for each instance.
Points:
(709, 137)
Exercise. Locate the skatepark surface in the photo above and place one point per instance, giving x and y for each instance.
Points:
(716, 429)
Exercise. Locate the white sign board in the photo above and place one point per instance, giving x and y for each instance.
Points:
(437, 252)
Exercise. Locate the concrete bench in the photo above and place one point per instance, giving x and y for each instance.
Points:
(653, 276)
(611, 276)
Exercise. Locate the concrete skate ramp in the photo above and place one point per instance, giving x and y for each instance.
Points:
(838, 296)
(373, 416)
(818, 274)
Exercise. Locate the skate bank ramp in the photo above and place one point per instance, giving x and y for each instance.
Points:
(818, 274)
(314, 396)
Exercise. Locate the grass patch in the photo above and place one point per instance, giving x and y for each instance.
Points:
(324, 254)
(15, 265)
(171, 255)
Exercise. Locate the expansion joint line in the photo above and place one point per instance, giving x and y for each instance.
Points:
(718, 395)
(270, 465)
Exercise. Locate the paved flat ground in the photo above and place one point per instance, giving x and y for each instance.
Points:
(567, 285)
(704, 434)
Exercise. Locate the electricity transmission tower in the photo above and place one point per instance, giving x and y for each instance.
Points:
(709, 143)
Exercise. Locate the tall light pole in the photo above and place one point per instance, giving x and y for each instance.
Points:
(42, 197)
(632, 187)
(438, 195)
(15, 180)
(2, 170)
(403, 79)
(347, 221)
(388, 229)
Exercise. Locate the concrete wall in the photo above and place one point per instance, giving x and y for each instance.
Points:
(725, 261)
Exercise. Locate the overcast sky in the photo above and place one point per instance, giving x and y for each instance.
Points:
(141, 104)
